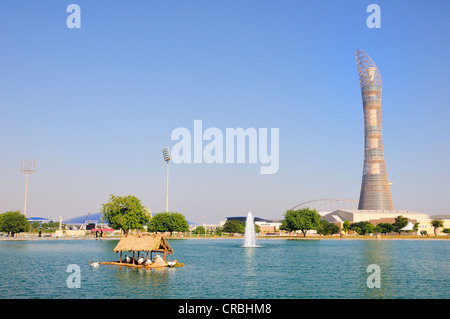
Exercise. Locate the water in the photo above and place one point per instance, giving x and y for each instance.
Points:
(220, 268)
(250, 235)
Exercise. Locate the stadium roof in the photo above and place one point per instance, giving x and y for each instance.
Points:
(256, 219)
(38, 219)
(92, 218)
(95, 218)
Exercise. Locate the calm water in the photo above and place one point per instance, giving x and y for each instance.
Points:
(221, 268)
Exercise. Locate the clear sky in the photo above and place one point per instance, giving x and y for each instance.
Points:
(94, 106)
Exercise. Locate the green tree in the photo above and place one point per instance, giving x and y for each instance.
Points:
(436, 223)
(423, 232)
(125, 212)
(346, 226)
(302, 219)
(35, 225)
(356, 229)
(177, 222)
(369, 228)
(377, 229)
(233, 227)
(50, 226)
(13, 222)
(168, 222)
(386, 228)
(218, 231)
(200, 230)
(446, 230)
(332, 229)
(363, 227)
(327, 228)
(399, 223)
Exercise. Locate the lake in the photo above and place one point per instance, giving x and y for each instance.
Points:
(221, 268)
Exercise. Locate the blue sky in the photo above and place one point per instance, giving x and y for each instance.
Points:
(94, 106)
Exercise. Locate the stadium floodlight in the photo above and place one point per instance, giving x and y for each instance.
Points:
(27, 167)
(167, 158)
(166, 154)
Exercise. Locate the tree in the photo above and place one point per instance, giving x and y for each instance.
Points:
(233, 226)
(346, 226)
(399, 223)
(302, 219)
(50, 226)
(218, 231)
(436, 223)
(369, 228)
(125, 212)
(200, 230)
(446, 230)
(13, 222)
(327, 228)
(356, 229)
(170, 221)
(385, 228)
(377, 229)
(363, 228)
(423, 232)
(322, 227)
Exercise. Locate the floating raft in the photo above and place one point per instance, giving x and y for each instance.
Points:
(145, 243)
(118, 263)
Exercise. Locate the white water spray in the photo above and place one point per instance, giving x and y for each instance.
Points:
(250, 235)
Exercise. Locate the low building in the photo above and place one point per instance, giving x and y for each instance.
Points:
(40, 220)
(265, 225)
(375, 217)
(372, 216)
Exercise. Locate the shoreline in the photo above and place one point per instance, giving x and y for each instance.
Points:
(29, 238)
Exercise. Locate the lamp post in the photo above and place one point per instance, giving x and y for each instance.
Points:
(166, 154)
(27, 167)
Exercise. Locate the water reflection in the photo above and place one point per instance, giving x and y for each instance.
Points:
(377, 252)
(143, 283)
(250, 271)
(222, 269)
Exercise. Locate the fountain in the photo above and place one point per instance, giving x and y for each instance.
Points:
(250, 235)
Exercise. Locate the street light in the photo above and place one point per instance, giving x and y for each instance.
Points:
(27, 167)
(167, 158)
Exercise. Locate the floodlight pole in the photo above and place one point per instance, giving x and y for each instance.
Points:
(26, 169)
(26, 193)
(167, 187)
(166, 154)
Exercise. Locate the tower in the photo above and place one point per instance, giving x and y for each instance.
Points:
(375, 191)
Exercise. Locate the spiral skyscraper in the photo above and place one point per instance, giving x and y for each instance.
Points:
(375, 190)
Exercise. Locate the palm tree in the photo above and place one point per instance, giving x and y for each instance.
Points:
(436, 223)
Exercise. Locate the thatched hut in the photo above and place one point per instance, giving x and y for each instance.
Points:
(146, 243)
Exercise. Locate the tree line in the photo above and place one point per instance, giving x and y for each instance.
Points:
(127, 213)
(306, 219)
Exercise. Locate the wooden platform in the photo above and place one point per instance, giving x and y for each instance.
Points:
(140, 266)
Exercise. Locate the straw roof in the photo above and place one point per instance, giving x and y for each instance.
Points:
(143, 242)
